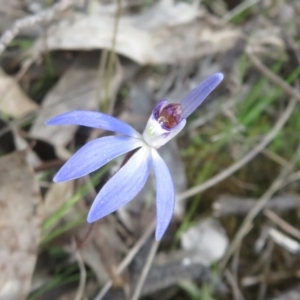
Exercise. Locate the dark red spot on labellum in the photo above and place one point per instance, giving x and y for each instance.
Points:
(169, 116)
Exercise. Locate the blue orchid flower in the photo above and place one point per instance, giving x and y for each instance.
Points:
(165, 122)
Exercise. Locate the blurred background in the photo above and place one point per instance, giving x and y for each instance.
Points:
(235, 232)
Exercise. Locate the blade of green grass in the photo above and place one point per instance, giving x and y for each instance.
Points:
(61, 212)
(62, 229)
(56, 282)
(275, 93)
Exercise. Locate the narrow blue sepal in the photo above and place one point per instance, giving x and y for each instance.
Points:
(94, 119)
(94, 155)
(123, 186)
(165, 195)
(194, 98)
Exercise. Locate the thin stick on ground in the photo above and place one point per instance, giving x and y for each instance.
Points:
(293, 93)
(127, 260)
(248, 157)
(82, 281)
(291, 178)
(276, 185)
(282, 224)
(266, 271)
(29, 21)
(237, 295)
(239, 9)
(145, 270)
(112, 59)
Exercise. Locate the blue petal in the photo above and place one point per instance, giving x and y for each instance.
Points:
(165, 195)
(123, 186)
(94, 155)
(198, 95)
(94, 119)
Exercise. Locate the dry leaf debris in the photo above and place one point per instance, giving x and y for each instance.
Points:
(20, 216)
(195, 43)
(153, 37)
(13, 101)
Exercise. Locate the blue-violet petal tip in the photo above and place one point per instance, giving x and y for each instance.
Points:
(55, 179)
(219, 76)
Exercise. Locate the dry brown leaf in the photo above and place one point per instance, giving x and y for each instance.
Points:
(103, 250)
(13, 100)
(9, 12)
(21, 144)
(56, 196)
(78, 88)
(20, 216)
(168, 33)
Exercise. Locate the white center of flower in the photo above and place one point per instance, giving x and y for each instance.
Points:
(156, 136)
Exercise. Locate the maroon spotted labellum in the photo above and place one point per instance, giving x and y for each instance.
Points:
(168, 115)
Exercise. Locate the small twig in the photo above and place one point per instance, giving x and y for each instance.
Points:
(82, 242)
(272, 278)
(127, 260)
(266, 271)
(284, 241)
(275, 157)
(239, 9)
(293, 93)
(25, 66)
(112, 60)
(282, 223)
(232, 205)
(102, 76)
(291, 178)
(29, 21)
(248, 157)
(237, 295)
(212, 112)
(48, 165)
(81, 287)
(235, 262)
(145, 270)
(275, 186)
(260, 244)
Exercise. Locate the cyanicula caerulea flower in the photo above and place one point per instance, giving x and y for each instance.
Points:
(165, 122)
